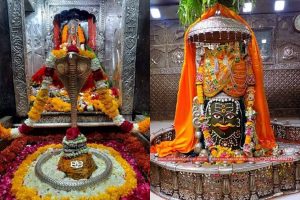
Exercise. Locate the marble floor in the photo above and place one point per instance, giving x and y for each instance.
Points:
(158, 125)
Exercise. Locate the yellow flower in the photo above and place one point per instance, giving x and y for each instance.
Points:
(22, 192)
(59, 53)
(144, 125)
(5, 133)
(87, 53)
(247, 139)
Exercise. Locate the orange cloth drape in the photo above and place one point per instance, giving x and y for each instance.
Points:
(184, 141)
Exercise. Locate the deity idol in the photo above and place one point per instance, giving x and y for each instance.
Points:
(72, 35)
(221, 90)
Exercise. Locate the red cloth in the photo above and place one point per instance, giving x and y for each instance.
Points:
(56, 34)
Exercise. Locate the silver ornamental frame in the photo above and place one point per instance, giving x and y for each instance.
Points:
(16, 14)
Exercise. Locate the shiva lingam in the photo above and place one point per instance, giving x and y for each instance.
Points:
(76, 160)
(73, 70)
(223, 109)
(224, 78)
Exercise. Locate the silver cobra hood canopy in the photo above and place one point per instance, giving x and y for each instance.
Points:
(218, 29)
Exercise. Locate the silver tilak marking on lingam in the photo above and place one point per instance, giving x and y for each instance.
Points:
(76, 184)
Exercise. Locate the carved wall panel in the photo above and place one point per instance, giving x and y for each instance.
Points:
(166, 181)
(239, 186)
(16, 15)
(264, 181)
(212, 186)
(287, 182)
(281, 64)
(186, 182)
(163, 95)
(166, 58)
(282, 89)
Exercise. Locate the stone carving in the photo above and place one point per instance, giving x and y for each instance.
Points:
(18, 49)
(157, 57)
(131, 8)
(289, 53)
(175, 56)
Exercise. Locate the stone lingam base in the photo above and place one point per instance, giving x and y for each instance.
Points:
(263, 179)
(80, 167)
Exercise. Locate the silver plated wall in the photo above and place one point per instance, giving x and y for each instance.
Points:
(32, 32)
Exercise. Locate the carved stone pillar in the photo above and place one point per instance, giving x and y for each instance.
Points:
(297, 175)
(276, 181)
(226, 187)
(198, 187)
(155, 177)
(175, 185)
(253, 194)
(16, 13)
(130, 23)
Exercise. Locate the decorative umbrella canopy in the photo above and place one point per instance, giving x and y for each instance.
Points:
(219, 29)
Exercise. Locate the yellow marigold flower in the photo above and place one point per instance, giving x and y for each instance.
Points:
(144, 125)
(59, 53)
(247, 139)
(5, 133)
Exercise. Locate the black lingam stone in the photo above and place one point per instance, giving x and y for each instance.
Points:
(224, 119)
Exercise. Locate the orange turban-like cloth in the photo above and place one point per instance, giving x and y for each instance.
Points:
(184, 141)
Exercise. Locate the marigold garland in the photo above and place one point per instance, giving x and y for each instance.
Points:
(59, 53)
(64, 35)
(5, 133)
(87, 53)
(108, 103)
(38, 105)
(59, 105)
(22, 192)
(80, 35)
(144, 125)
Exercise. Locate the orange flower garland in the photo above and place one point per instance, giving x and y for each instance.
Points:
(59, 105)
(59, 53)
(64, 35)
(144, 125)
(5, 133)
(87, 53)
(80, 35)
(109, 104)
(38, 105)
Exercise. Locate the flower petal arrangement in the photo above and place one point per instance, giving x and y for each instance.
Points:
(17, 180)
